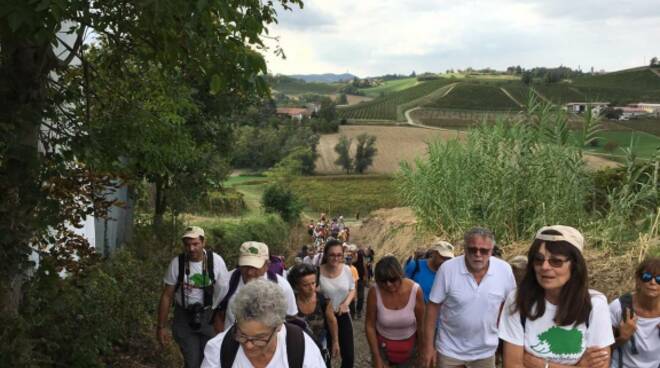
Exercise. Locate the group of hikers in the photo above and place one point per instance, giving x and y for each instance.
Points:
(439, 310)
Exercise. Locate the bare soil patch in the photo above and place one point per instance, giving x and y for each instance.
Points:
(395, 144)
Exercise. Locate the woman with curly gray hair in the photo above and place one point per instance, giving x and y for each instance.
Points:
(260, 337)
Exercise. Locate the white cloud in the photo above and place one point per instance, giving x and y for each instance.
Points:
(372, 37)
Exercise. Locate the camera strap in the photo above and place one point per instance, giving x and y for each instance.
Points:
(208, 277)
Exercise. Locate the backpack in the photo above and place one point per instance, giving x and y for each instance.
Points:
(276, 265)
(233, 285)
(208, 290)
(295, 346)
(626, 304)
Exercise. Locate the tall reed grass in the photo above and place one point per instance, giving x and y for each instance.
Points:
(516, 175)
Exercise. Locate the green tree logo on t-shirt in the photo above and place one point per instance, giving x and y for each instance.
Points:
(559, 341)
(199, 281)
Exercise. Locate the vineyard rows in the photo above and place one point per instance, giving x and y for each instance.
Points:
(386, 107)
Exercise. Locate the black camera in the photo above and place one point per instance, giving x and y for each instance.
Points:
(196, 311)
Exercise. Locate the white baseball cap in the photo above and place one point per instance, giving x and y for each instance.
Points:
(566, 233)
(253, 254)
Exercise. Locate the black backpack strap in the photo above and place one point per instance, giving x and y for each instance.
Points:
(229, 348)
(208, 290)
(415, 270)
(295, 345)
(179, 281)
(233, 284)
(626, 302)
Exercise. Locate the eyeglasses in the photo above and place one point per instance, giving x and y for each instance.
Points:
(648, 276)
(482, 251)
(256, 341)
(539, 259)
(339, 255)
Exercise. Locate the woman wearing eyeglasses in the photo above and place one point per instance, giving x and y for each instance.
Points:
(336, 283)
(260, 338)
(395, 312)
(315, 308)
(636, 320)
(553, 319)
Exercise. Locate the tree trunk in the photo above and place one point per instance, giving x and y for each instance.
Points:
(160, 203)
(24, 69)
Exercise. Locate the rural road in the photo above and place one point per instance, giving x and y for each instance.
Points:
(411, 122)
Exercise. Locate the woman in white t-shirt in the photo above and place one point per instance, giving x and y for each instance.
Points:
(337, 284)
(636, 320)
(260, 338)
(553, 319)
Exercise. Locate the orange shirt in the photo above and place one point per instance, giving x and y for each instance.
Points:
(356, 276)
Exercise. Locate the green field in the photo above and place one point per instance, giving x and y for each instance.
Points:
(385, 108)
(390, 87)
(643, 144)
(290, 86)
(651, 126)
(347, 195)
(471, 96)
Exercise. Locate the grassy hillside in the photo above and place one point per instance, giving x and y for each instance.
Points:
(632, 79)
(390, 87)
(469, 96)
(385, 108)
(560, 93)
(291, 86)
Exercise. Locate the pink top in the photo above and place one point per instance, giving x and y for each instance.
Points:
(397, 324)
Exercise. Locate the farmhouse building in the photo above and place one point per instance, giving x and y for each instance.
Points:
(295, 113)
(580, 107)
(651, 108)
(628, 112)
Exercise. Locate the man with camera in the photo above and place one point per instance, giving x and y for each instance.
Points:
(193, 281)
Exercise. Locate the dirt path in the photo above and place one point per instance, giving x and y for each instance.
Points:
(511, 97)
(655, 71)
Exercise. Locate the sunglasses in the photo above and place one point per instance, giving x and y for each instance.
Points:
(647, 277)
(539, 259)
(482, 251)
(390, 280)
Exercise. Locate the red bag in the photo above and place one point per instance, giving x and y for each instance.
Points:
(398, 351)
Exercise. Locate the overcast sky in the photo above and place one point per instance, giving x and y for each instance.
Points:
(374, 37)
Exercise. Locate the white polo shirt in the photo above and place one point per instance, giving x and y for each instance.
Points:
(468, 316)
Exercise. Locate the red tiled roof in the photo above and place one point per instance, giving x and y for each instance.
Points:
(293, 111)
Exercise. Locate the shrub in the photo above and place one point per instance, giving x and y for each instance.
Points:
(226, 202)
(321, 126)
(226, 237)
(278, 198)
(98, 317)
(610, 146)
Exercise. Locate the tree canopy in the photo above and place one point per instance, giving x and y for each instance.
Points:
(140, 92)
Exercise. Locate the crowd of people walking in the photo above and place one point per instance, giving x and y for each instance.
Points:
(438, 309)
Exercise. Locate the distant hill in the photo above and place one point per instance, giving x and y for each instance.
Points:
(294, 86)
(324, 78)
